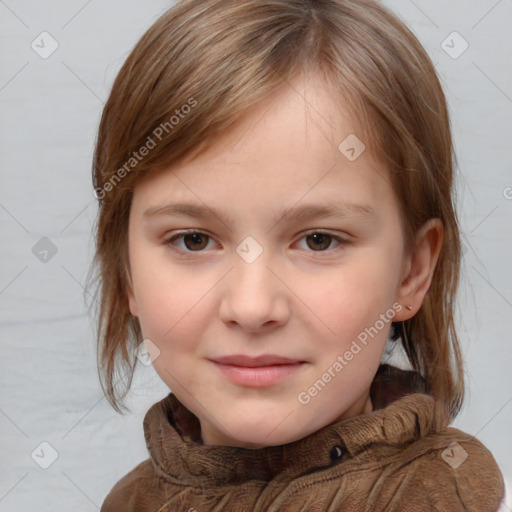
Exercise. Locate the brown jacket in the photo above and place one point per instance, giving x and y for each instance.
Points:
(402, 456)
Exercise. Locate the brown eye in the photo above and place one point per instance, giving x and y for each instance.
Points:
(193, 241)
(319, 241)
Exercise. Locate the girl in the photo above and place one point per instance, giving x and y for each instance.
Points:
(275, 210)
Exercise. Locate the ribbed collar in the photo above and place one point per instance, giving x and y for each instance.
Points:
(402, 412)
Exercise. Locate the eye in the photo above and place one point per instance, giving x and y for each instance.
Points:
(194, 241)
(197, 241)
(319, 241)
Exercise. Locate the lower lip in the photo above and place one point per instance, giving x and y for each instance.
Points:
(259, 376)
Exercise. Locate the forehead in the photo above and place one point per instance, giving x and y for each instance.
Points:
(302, 110)
(299, 142)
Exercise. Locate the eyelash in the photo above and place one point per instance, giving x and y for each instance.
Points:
(181, 234)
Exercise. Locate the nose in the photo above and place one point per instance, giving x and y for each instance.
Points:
(254, 296)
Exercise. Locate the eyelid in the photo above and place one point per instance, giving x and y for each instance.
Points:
(346, 237)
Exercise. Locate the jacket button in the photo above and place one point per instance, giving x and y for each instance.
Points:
(336, 453)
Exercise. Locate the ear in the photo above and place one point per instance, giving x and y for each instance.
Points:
(134, 310)
(133, 304)
(419, 267)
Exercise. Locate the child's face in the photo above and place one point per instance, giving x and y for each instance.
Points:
(309, 298)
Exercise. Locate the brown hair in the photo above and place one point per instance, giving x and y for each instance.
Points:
(198, 69)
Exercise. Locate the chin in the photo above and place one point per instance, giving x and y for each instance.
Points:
(254, 440)
(259, 434)
(256, 424)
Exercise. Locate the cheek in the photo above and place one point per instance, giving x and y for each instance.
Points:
(165, 307)
(170, 300)
(353, 297)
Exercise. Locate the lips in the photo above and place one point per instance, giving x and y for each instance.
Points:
(253, 362)
(262, 371)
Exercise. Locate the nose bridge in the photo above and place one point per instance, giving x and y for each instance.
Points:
(254, 272)
(253, 295)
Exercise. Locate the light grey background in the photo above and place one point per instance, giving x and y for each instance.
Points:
(50, 110)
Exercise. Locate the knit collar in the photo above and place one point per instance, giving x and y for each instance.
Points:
(402, 412)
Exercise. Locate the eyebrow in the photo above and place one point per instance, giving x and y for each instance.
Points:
(296, 213)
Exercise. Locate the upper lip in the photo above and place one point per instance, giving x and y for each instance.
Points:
(264, 360)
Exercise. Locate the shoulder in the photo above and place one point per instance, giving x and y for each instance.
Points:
(133, 489)
(450, 470)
